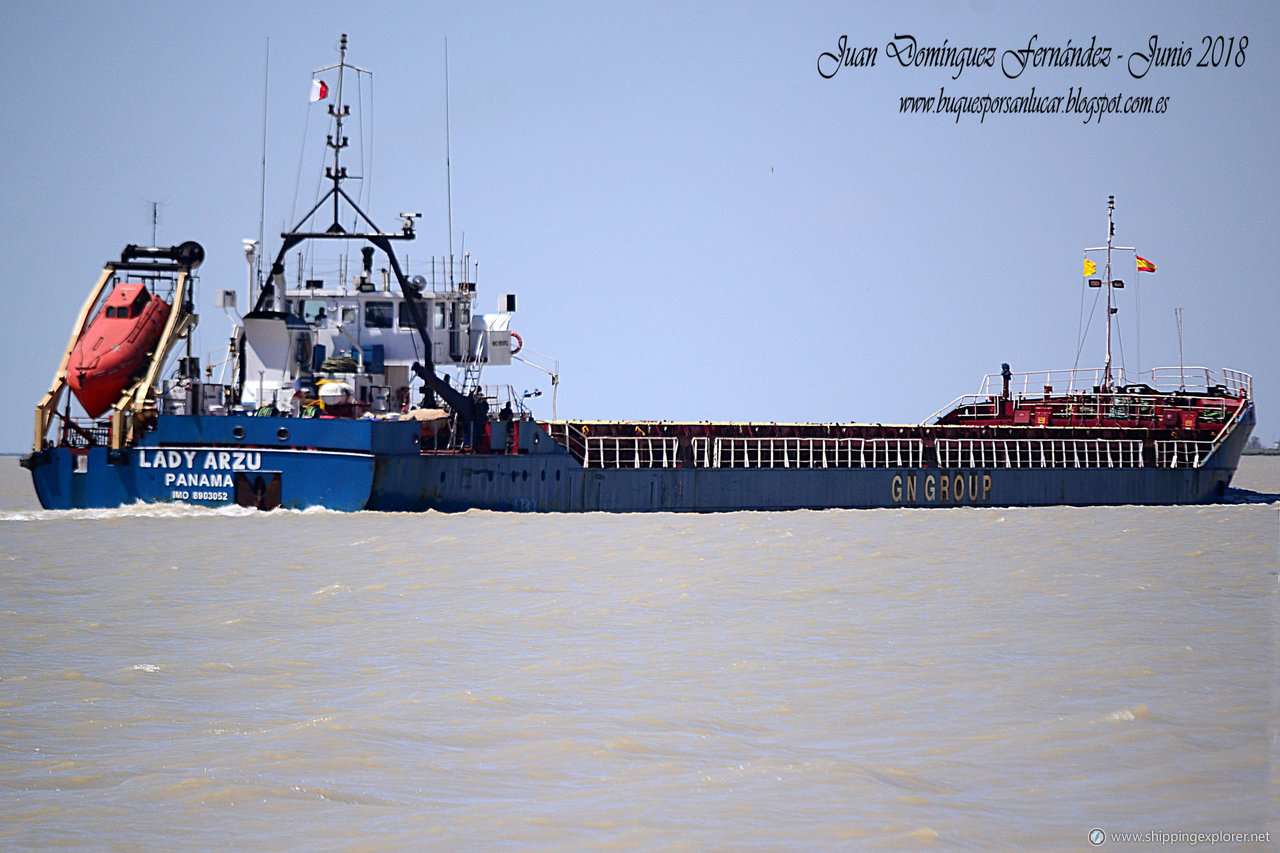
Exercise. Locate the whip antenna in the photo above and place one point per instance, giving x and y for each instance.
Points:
(448, 169)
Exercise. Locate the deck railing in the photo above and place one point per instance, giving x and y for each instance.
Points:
(570, 438)
(640, 451)
(742, 452)
(1037, 453)
(1194, 380)
(1069, 400)
(83, 433)
(643, 451)
(1183, 454)
(663, 452)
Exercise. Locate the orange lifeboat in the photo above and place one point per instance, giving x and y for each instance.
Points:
(111, 350)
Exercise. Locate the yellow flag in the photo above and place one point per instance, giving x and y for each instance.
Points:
(1090, 267)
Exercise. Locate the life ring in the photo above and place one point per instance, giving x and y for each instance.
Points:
(519, 343)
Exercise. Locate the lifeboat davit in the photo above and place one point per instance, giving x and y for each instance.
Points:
(114, 347)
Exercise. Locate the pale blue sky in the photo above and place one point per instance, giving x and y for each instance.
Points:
(697, 225)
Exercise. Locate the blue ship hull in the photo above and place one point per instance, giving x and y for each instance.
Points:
(175, 436)
(379, 465)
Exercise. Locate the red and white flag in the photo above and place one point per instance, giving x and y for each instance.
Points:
(319, 90)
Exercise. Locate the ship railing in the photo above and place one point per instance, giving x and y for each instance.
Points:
(746, 452)
(80, 433)
(1072, 392)
(974, 405)
(573, 439)
(1237, 383)
(1034, 382)
(1038, 453)
(1179, 453)
(630, 451)
(1184, 454)
(498, 396)
(1165, 380)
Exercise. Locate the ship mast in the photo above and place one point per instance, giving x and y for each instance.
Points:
(336, 140)
(1108, 381)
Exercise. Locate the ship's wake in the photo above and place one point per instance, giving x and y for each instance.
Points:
(1245, 496)
(141, 509)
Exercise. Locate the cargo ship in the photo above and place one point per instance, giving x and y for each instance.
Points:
(359, 387)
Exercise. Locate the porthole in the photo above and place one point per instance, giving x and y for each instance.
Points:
(237, 432)
(283, 433)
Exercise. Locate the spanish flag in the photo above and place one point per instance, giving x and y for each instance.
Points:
(1145, 265)
(1090, 267)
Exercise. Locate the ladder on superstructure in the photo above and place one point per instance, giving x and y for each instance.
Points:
(471, 375)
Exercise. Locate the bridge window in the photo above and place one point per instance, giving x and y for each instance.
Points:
(406, 315)
(378, 315)
(314, 310)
